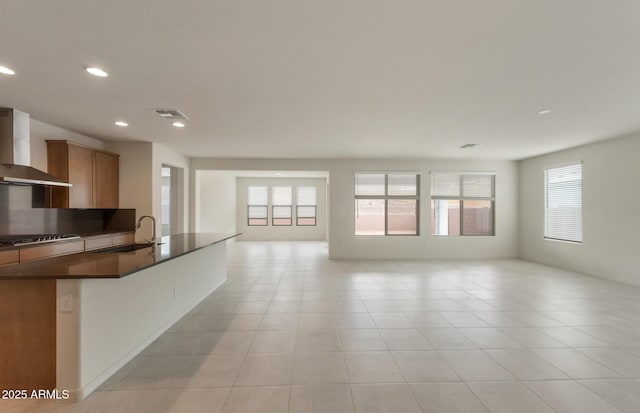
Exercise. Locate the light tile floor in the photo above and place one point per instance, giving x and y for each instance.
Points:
(292, 331)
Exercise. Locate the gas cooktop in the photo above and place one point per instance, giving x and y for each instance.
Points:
(19, 240)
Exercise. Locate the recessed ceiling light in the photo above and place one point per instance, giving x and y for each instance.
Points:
(544, 112)
(96, 71)
(6, 71)
(121, 123)
(178, 124)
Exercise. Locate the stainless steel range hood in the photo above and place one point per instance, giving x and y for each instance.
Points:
(15, 152)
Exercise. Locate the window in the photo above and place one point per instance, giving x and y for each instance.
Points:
(257, 200)
(281, 201)
(462, 204)
(306, 207)
(387, 204)
(563, 203)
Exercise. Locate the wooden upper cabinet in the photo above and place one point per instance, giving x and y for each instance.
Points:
(107, 178)
(81, 175)
(93, 173)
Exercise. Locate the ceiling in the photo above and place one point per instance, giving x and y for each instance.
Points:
(330, 78)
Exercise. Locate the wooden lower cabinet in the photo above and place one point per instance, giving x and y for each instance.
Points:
(109, 240)
(9, 257)
(28, 339)
(56, 249)
(51, 250)
(97, 242)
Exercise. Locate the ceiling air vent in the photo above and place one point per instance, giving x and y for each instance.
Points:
(469, 145)
(172, 114)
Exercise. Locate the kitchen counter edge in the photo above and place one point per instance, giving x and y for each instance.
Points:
(114, 265)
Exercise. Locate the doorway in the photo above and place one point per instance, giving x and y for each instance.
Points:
(169, 197)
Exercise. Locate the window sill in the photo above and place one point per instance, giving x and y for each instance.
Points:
(563, 241)
(463, 236)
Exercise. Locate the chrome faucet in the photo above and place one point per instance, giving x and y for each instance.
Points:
(153, 220)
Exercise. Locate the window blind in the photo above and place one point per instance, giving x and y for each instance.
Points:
(445, 185)
(477, 186)
(402, 184)
(563, 203)
(306, 195)
(370, 184)
(257, 195)
(281, 195)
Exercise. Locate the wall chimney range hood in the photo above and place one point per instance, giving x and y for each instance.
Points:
(15, 152)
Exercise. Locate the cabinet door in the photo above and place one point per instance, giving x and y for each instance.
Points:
(58, 166)
(81, 175)
(106, 180)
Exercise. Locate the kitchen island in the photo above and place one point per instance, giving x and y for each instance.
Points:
(107, 307)
(116, 264)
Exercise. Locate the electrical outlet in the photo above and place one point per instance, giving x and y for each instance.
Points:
(66, 303)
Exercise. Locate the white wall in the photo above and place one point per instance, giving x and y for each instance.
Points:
(215, 202)
(344, 244)
(610, 210)
(135, 178)
(283, 233)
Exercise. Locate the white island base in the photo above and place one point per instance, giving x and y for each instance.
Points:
(103, 323)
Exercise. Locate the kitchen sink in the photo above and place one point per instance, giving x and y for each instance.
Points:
(125, 248)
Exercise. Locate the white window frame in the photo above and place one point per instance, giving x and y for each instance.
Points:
(461, 198)
(386, 197)
(261, 206)
(314, 206)
(548, 230)
(275, 206)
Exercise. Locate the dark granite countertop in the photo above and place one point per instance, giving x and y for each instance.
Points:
(114, 264)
